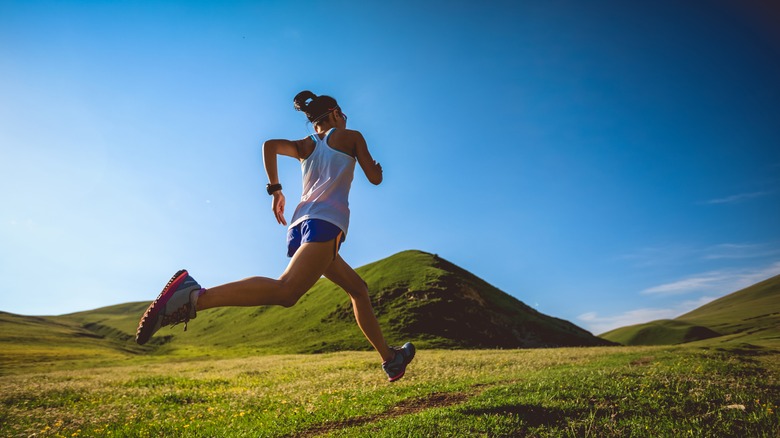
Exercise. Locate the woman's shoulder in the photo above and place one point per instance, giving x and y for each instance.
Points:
(305, 147)
(349, 132)
(354, 136)
(346, 135)
(346, 140)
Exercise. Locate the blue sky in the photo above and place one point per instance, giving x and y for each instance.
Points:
(606, 162)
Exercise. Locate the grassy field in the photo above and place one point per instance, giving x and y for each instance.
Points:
(83, 375)
(678, 391)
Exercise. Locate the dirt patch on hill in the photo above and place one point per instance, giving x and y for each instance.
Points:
(405, 407)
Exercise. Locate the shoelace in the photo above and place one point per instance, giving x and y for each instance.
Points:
(182, 314)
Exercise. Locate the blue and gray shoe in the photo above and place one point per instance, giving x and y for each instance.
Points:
(396, 367)
(171, 307)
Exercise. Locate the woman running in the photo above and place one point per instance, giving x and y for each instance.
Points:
(318, 227)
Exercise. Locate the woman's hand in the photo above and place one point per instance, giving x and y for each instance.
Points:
(278, 207)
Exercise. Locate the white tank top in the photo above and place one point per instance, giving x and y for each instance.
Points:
(327, 178)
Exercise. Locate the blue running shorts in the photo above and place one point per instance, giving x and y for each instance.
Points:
(313, 230)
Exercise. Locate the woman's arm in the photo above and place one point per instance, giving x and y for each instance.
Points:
(271, 149)
(371, 168)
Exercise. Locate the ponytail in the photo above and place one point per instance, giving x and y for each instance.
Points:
(301, 100)
(315, 107)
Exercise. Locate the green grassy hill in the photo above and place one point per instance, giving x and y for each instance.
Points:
(417, 296)
(751, 315)
(28, 341)
(661, 332)
(753, 311)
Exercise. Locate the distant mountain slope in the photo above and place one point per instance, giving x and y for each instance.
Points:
(31, 340)
(748, 315)
(753, 309)
(417, 296)
(661, 332)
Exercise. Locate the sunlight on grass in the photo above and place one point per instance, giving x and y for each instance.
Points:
(645, 391)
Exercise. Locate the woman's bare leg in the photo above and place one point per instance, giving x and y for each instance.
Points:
(345, 277)
(306, 267)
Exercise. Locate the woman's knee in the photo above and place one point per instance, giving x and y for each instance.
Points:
(358, 292)
(288, 301)
(289, 294)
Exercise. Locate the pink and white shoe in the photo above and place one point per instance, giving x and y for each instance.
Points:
(171, 307)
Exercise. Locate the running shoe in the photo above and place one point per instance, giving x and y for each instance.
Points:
(171, 307)
(396, 367)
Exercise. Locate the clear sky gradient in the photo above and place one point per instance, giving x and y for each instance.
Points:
(606, 162)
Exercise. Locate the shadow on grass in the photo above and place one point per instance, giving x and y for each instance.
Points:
(406, 407)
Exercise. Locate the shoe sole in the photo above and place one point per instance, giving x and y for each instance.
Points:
(144, 332)
(398, 377)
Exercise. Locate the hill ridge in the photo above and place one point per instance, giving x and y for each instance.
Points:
(417, 296)
(749, 315)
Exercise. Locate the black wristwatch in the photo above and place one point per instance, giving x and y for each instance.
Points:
(271, 188)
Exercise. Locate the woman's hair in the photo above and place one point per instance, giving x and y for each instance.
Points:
(315, 107)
